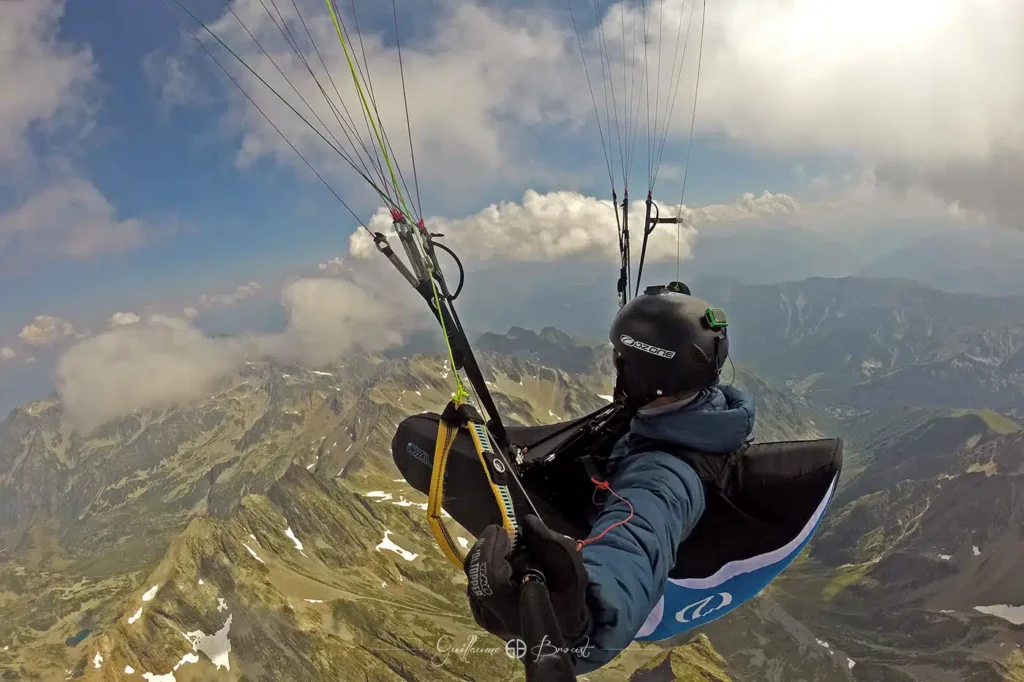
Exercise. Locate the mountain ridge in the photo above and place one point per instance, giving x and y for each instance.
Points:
(297, 460)
(274, 503)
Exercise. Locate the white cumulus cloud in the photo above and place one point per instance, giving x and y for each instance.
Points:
(46, 329)
(7, 353)
(926, 91)
(123, 319)
(69, 218)
(31, 53)
(239, 294)
(141, 366)
(901, 80)
(556, 225)
(176, 84)
(49, 210)
(332, 267)
(100, 377)
(327, 317)
(473, 82)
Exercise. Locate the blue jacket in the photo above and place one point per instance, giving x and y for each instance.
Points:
(629, 566)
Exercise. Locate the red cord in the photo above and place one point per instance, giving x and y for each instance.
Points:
(603, 485)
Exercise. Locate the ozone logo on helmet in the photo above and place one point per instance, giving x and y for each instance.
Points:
(646, 347)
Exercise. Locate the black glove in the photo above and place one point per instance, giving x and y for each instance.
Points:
(492, 595)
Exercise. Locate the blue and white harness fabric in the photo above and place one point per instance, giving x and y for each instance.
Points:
(689, 603)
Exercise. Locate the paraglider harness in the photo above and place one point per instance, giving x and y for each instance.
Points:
(581, 446)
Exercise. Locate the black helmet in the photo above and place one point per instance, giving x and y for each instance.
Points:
(667, 342)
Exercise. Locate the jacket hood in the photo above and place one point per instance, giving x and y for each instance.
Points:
(718, 421)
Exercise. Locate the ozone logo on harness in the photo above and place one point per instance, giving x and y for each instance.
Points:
(423, 456)
(646, 347)
(701, 608)
(419, 453)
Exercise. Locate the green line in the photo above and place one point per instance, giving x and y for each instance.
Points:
(366, 107)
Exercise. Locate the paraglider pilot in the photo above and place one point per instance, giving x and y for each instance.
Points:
(670, 349)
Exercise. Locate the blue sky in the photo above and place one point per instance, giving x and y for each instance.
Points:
(218, 224)
(179, 211)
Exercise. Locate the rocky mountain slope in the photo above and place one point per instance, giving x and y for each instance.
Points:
(912, 443)
(261, 533)
(873, 344)
(915, 572)
(311, 581)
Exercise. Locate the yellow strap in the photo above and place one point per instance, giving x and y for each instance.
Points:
(435, 497)
(446, 435)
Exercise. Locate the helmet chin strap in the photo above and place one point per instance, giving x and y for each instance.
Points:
(632, 404)
(643, 405)
(620, 394)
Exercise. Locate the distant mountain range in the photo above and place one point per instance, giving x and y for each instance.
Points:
(869, 344)
(851, 343)
(267, 524)
(579, 297)
(977, 261)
